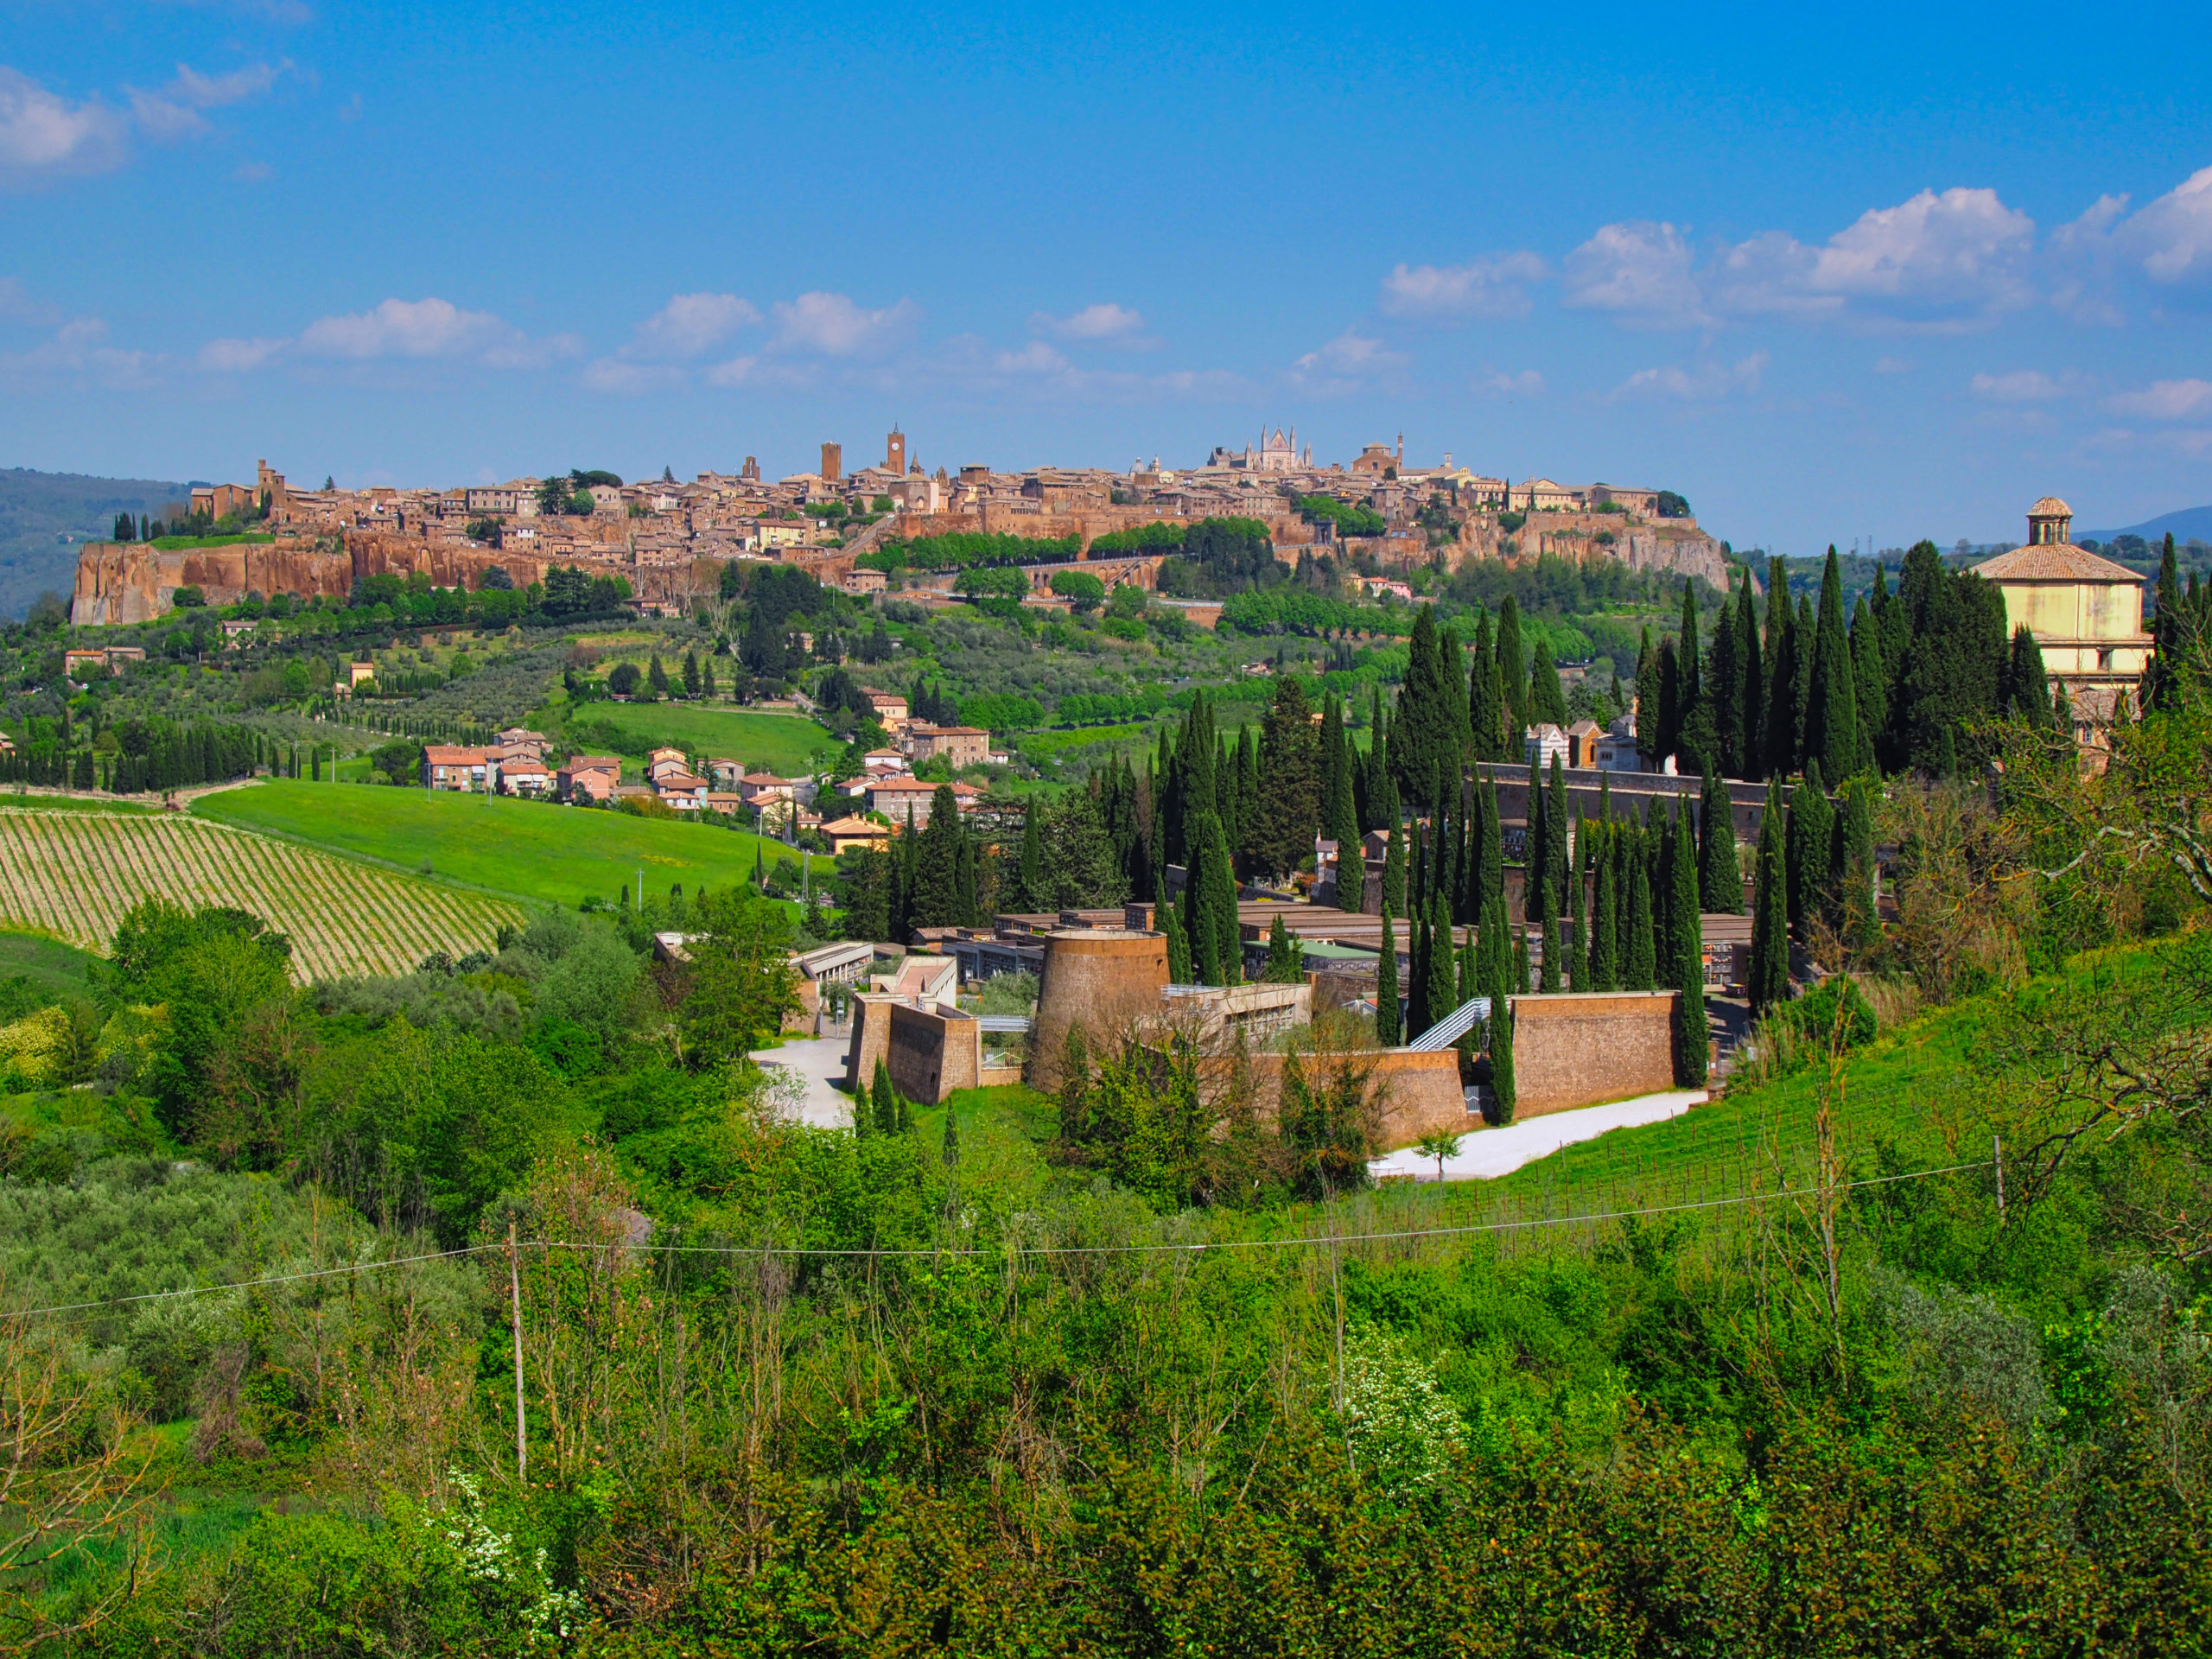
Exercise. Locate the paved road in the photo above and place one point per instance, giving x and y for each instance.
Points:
(821, 1062)
(1487, 1153)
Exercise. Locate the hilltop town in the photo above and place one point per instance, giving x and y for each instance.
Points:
(669, 540)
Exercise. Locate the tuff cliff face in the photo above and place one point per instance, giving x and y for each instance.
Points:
(134, 582)
(1675, 545)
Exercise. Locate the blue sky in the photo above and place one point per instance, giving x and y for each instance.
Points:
(1875, 273)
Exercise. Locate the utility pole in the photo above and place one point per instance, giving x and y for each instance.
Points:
(514, 1308)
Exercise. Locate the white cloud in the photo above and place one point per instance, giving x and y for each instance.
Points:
(1894, 365)
(238, 356)
(1492, 286)
(690, 324)
(44, 136)
(1702, 382)
(432, 328)
(832, 326)
(2024, 386)
(173, 113)
(1639, 270)
(1351, 352)
(1105, 321)
(2164, 400)
(1035, 358)
(755, 372)
(2168, 241)
(79, 346)
(1496, 383)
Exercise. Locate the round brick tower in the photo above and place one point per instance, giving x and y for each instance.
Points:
(1099, 979)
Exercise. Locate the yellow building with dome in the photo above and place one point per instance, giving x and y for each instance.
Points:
(2085, 611)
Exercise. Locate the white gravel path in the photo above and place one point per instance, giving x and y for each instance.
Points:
(1488, 1152)
(820, 1061)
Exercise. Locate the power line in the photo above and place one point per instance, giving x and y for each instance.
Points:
(1303, 1241)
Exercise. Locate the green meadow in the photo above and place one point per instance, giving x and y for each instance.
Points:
(762, 739)
(53, 967)
(520, 850)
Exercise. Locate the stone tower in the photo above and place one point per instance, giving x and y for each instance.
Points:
(894, 453)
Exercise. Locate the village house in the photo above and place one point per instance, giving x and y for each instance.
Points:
(519, 739)
(81, 665)
(908, 800)
(729, 773)
(589, 777)
(524, 774)
(960, 746)
(661, 761)
(681, 790)
(852, 830)
(446, 766)
(890, 709)
(885, 763)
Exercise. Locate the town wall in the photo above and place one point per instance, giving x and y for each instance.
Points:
(1585, 1048)
(1098, 978)
(1413, 1091)
(933, 1052)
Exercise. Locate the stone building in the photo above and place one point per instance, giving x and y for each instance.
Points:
(2085, 611)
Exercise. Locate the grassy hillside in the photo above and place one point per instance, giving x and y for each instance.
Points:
(523, 849)
(54, 967)
(73, 875)
(781, 743)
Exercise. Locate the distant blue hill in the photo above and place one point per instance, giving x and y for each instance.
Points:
(2189, 522)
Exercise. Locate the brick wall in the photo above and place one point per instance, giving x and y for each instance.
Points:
(1582, 1049)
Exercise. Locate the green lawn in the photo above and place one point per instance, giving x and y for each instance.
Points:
(53, 967)
(779, 742)
(520, 850)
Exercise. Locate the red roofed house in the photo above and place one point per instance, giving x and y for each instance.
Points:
(524, 774)
(447, 766)
(681, 790)
(961, 746)
(854, 831)
(589, 777)
(906, 800)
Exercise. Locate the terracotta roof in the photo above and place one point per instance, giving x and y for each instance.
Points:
(592, 763)
(2053, 562)
(447, 754)
(2050, 506)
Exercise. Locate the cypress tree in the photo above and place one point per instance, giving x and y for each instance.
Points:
(1417, 873)
(1456, 885)
(949, 1152)
(1179, 971)
(1605, 928)
(1578, 948)
(1686, 951)
(1394, 856)
(863, 1111)
(1552, 980)
(1485, 697)
(1029, 873)
(1803, 637)
(1546, 701)
(1720, 884)
(1870, 688)
(1512, 674)
(1750, 680)
(1456, 730)
(1771, 911)
(1386, 986)
(1198, 928)
(1250, 805)
(1781, 669)
(1502, 1088)
(1724, 693)
(1858, 921)
(1492, 875)
(888, 1106)
(2161, 685)
(1694, 735)
(1333, 759)
(1648, 699)
(1811, 830)
(1424, 723)
(1535, 860)
(1555, 834)
(1521, 983)
(1231, 810)
(1831, 714)
(2027, 696)
(1643, 939)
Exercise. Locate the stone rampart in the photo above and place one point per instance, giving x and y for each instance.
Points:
(1585, 1048)
(1103, 979)
(933, 1052)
